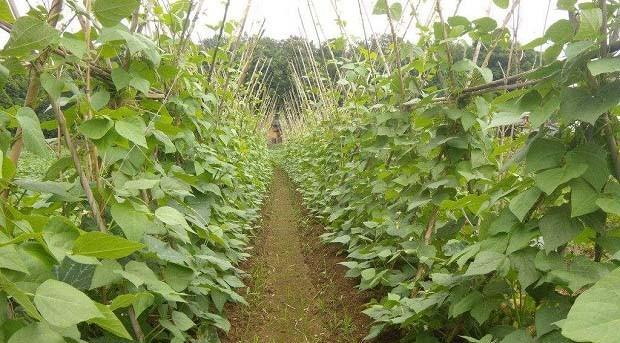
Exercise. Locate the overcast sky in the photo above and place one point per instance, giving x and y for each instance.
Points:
(282, 16)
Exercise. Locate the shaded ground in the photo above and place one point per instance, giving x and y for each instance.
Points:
(297, 292)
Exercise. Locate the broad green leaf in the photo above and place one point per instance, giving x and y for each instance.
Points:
(395, 9)
(179, 277)
(172, 217)
(63, 305)
(34, 141)
(501, 3)
(11, 259)
(521, 204)
(590, 24)
(578, 103)
(5, 12)
(518, 336)
(485, 262)
(106, 274)
(139, 301)
(19, 296)
(558, 228)
(140, 84)
(96, 128)
(550, 312)
(465, 304)
(103, 245)
(74, 273)
(28, 34)
(120, 78)
(36, 332)
(559, 32)
(64, 190)
(99, 99)
(550, 179)
(595, 315)
(133, 223)
(182, 321)
(133, 128)
(604, 65)
(75, 46)
(609, 203)
(595, 156)
(110, 322)
(544, 153)
(111, 12)
(582, 198)
(52, 85)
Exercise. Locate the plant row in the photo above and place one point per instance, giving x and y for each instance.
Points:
(482, 214)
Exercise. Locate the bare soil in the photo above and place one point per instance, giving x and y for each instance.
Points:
(296, 290)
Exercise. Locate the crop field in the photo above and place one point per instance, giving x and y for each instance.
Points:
(338, 171)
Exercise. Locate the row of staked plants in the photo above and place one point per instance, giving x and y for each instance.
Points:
(135, 230)
(483, 210)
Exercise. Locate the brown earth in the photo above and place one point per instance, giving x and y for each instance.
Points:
(297, 291)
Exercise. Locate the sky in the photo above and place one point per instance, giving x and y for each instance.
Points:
(282, 18)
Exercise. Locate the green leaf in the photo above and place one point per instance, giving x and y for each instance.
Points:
(140, 84)
(595, 315)
(550, 179)
(582, 198)
(485, 262)
(518, 336)
(34, 141)
(559, 32)
(52, 85)
(595, 156)
(120, 78)
(133, 223)
(99, 99)
(550, 312)
(110, 322)
(28, 34)
(63, 305)
(133, 128)
(182, 321)
(103, 245)
(579, 104)
(111, 12)
(604, 65)
(558, 228)
(36, 332)
(19, 296)
(172, 217)
(5, 12)
(74, 273)
(609, 203)
(11, 259)
(60, 189)
(75, 46)
(501, 3)
(465, 304)
(96, 128)
(521, 204)
(544, 153)
(590, 24)
(106, 274)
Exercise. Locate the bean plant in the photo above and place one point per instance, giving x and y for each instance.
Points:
(480, 210)
(134, 230)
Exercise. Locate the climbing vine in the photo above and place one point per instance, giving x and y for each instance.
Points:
(485, 210)
(135, 229)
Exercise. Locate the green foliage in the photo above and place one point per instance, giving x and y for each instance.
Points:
(488, 215)
(178, 180)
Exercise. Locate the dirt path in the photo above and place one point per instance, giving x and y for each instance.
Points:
(296, 291)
